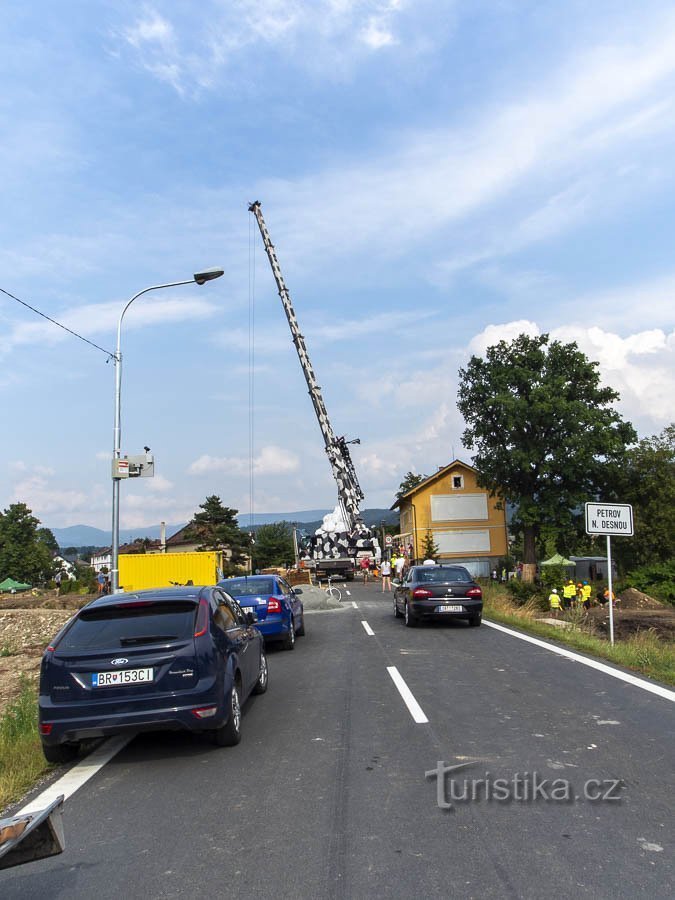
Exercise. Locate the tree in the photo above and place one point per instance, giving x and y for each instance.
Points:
(430, 547)
(647, 481)
(217, 528)
(23, 554)
(544, 430)
(47, 537)
(273, 545)
(410, 481)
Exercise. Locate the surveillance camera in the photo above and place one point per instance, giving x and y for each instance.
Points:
(147, 449)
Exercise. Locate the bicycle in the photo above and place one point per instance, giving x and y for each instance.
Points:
(333, 592)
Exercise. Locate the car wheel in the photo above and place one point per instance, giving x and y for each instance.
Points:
(301, 629)
(61, 753)
(289, 642)
(229, 734)
(397, 612)
(475, 620)
(263, 674)
(410, 620)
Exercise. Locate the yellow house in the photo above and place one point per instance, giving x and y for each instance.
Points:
(463, 519)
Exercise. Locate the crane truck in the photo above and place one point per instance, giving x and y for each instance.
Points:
(335, 547)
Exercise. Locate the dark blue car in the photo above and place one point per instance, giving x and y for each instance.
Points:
(276, 604)
(178, 658)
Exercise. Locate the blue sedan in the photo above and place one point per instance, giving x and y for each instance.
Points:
(276, 604)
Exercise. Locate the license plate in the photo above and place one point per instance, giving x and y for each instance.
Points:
(125, 676)
(248, 609)
(450, 608)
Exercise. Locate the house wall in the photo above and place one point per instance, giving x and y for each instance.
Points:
(462, 517)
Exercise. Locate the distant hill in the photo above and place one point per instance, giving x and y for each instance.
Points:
(310, 519)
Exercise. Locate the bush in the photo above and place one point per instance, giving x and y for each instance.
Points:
(521, 591)
(657, 580)
(553, 577)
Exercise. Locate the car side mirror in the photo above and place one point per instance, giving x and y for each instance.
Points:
(251, 618)
(297, 591)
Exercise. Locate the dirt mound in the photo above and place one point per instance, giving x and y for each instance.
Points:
(631, 598)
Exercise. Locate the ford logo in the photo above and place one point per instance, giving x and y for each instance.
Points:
(119, 662)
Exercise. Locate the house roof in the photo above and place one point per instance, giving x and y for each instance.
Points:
(439, 474)
(179, 537)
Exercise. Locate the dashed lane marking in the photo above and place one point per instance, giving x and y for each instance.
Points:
(414, 708)
(366, 627)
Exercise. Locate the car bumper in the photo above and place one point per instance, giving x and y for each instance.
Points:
(429, 609)
(274, 628)
(78, 721)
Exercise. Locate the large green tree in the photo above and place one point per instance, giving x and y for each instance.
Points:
(545, 432)
(24, 554)
(216, 527)
(273, 545)
(410, 481)
(647, 481)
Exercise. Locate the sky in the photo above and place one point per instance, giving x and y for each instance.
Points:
(436, 175)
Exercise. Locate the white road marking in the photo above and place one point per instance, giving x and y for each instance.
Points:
(348, 593)
(367, 628)
(355, 604)
(414, 708)
(78, 775)
(591, 663)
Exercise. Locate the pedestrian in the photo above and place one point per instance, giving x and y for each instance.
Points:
(503, 574)
(386, 575)
(554, 602)
(400, 565)
(365, 568)
(569, 593)
(586, 595)
(494, 575)
(100, 581)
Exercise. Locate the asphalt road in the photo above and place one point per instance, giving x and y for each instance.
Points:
(326, 796)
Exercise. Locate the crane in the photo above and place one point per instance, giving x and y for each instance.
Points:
(349, 490)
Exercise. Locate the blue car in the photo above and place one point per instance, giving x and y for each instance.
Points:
(276, 604)
(172, 659)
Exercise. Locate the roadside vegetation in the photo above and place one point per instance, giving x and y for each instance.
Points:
(644, 652)
(21, 759)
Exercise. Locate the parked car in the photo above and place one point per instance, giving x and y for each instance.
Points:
(438, 592)
(276, 604)
(176, 658)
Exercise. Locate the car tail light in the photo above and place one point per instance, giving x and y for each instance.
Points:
(273, 605)
(422, 593)
(45, 727)
(135, 604)
(205, 712)
(202, 623)
(475, 592)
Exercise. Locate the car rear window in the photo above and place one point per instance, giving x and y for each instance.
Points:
(112, 627)
(243, 587)
(440, 576)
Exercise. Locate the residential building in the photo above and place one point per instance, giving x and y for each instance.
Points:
(467, 525)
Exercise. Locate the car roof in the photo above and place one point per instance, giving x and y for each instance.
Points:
(169, 594)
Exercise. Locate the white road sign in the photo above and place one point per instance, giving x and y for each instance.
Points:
(609, 518)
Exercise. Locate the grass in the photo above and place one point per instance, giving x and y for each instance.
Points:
(644, 652)
(21, 759)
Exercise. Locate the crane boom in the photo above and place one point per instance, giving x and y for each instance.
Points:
(337, 450)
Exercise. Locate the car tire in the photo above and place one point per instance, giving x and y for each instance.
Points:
(229, 734)
(263, 674)
(60, 753)
(410, 620)
(397, 613)
(475, 620)
(301, 630)
(289, 640)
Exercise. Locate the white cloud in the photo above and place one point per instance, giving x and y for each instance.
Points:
(271, 460)
(507, 331)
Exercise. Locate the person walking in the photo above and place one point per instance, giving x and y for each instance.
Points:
(400, 566)
(586, 595)
(569, 593)
(386, 575)
(365, 568)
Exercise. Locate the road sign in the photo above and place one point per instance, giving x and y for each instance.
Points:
(388, 540)
(609, 518)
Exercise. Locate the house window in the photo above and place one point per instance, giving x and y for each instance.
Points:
(457, 482)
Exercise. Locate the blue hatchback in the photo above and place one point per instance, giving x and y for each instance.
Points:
(276, 604)
(176, 658)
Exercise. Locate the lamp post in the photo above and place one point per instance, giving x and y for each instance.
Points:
(199, 278)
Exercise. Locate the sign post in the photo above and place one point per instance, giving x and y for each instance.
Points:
(609, 519)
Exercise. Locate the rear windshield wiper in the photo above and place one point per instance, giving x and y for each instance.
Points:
(147, 639)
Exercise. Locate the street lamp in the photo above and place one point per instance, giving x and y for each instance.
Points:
(199, 278)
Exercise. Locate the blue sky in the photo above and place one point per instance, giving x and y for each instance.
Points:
(435, 175)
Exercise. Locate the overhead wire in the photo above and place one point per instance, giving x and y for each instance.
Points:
(108, 353)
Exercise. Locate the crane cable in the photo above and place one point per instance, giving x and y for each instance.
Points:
(251, 366)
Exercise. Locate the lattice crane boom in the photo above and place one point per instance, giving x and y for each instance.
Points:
(337, 450)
